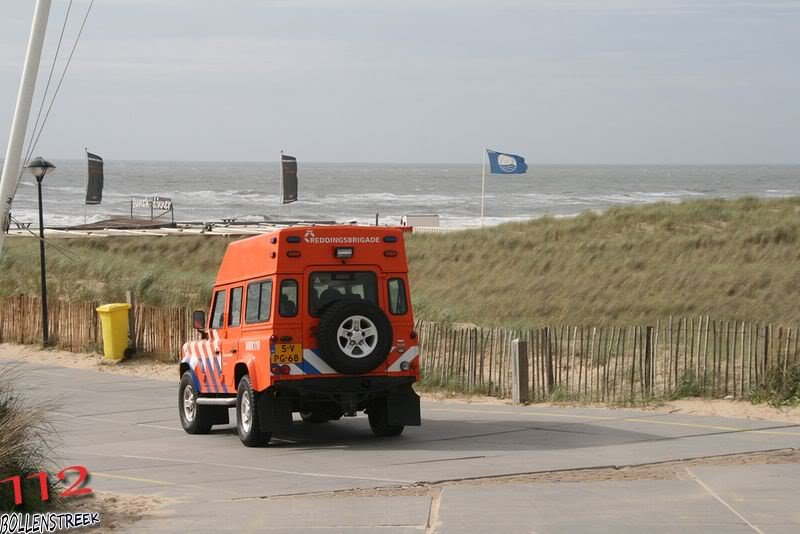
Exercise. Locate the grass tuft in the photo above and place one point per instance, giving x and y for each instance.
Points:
(780, 389)
(26, 441)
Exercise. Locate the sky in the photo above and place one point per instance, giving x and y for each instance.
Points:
(422, 81)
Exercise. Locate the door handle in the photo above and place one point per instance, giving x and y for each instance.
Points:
(234, 351)
(216, 352)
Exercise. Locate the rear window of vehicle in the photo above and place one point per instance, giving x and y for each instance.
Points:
(287, 307)
(327, 287)
(398, 305)
(259, 297)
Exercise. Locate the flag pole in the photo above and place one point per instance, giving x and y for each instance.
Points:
(85, 179)
(280, 200)
(483, 182)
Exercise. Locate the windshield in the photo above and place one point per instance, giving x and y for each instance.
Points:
(327, 287)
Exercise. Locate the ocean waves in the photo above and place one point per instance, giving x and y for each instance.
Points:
(347, 192)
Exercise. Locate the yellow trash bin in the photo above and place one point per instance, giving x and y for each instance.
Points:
(114, 320)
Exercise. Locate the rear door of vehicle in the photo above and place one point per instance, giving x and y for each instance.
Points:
(313, 297)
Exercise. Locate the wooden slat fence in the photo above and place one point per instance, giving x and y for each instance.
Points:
(75, 325)
(674, 358)
(677, 357)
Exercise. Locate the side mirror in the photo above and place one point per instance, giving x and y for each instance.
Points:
(199, 320)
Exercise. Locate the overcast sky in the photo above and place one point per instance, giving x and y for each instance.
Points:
(559, 81)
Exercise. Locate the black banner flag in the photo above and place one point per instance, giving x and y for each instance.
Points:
(94, 183)
(289, 177)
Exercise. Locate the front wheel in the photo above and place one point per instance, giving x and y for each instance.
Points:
(194, 419)
(247, 421)
(378, 415)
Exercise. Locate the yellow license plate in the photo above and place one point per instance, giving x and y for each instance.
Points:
(287, 353)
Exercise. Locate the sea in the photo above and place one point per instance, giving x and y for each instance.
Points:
(364, 192)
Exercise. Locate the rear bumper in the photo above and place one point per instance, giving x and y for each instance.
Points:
(334, 387)
(340, 396)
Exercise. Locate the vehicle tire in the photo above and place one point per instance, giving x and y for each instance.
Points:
(314, 417)
(378, 416)
(194, 419)
(355, 337)
(247, 421)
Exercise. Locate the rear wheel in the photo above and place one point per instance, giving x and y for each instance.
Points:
(378, 414)
(247, 421)
(194, 419)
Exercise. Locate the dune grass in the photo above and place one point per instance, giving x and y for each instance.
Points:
(26, 445)
(162, 271)
(728, 259)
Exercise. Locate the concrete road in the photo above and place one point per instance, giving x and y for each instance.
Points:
(469, 468)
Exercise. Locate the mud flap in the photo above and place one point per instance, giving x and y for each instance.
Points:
(274, 412)
(403, 408)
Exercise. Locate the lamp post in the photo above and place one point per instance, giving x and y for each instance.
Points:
(39, 167)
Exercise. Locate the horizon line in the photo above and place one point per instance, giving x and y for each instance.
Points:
(439, 163)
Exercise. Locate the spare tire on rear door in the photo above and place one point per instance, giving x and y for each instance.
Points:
(354, 336)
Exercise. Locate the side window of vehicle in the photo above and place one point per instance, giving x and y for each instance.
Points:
(398, 303)
(235, 318)
(259, 297)
(287, 306)
(218, 309)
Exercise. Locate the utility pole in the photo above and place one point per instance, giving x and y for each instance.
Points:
(19, 126)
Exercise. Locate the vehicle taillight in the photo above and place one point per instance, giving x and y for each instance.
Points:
(285, 370)
(413, 334)
(273, 338)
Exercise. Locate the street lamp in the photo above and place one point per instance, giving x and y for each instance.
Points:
(39, 167)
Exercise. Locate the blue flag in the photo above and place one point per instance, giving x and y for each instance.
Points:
(506, 163)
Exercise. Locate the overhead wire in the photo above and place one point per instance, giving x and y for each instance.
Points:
(63, 75)
(35, 136)
(47, 85)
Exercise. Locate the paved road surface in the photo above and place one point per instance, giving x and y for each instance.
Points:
(337, 477)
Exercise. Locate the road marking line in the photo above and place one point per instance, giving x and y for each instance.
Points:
(776, 432)
(722, 501)
(691, 425)
(254, 468)
(133, 479)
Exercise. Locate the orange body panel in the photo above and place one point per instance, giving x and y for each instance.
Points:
(282, 260)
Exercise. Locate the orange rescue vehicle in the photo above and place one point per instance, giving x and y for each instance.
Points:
(309, 319)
